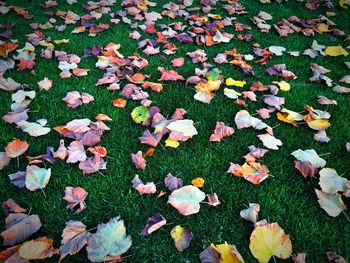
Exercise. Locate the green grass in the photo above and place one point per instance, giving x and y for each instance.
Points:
(286, 197)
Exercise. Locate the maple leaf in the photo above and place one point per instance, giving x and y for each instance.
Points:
(75, 196)
(109, 241)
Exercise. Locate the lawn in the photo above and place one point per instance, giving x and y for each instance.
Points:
(285, 197)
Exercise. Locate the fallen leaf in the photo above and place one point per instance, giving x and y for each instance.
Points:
(140, 114)
(270, 240)
(109, 242)
(74, 238)
(251, 213)
(153, 223)
(225, 253)
(4, 160)
(306, 168)
(186, 199)
(333, 257)
(213, 199)
(331, 182)
(172, 182)
(119, 103)
(34, 129)
(45, 84)
(76, 152)
(270, 141)
(199, 182)
(335, 51)
(221, 131)
(331, 203)
(252, 172)
(178, 62)
(138, 160)
(10, 206)
(40, 248)
(16, 148)
(310, 156)
(75, 196)
(19, 227)
(148, 188)
(186, 127)
(36, 177)
(182, 237)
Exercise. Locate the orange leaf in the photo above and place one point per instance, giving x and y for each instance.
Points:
(149, 152)
(157, 87)
(120, 103)
(6, 48)
(16, 148)
(136, 78)
(102, 117)
(199, 182)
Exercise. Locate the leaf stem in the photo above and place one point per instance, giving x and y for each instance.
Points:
(347, 218)
(42, 190)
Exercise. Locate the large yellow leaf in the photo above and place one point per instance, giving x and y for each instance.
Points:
(270, 240)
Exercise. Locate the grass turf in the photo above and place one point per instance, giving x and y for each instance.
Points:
(286, 197)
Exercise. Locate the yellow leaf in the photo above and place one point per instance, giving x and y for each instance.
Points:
(47, 25)
(336, 51)
(270, 240)
(323, 27)
(237, 83)
(319, 124)
(208, 87)
(199, 182)
(284, 117)
(45, 44)
(344, 3)
(61, 41)
(228, 253)
(283, 85)
(172, 143)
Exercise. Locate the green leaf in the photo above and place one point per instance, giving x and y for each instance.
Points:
(109, 241)
(140, 114)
